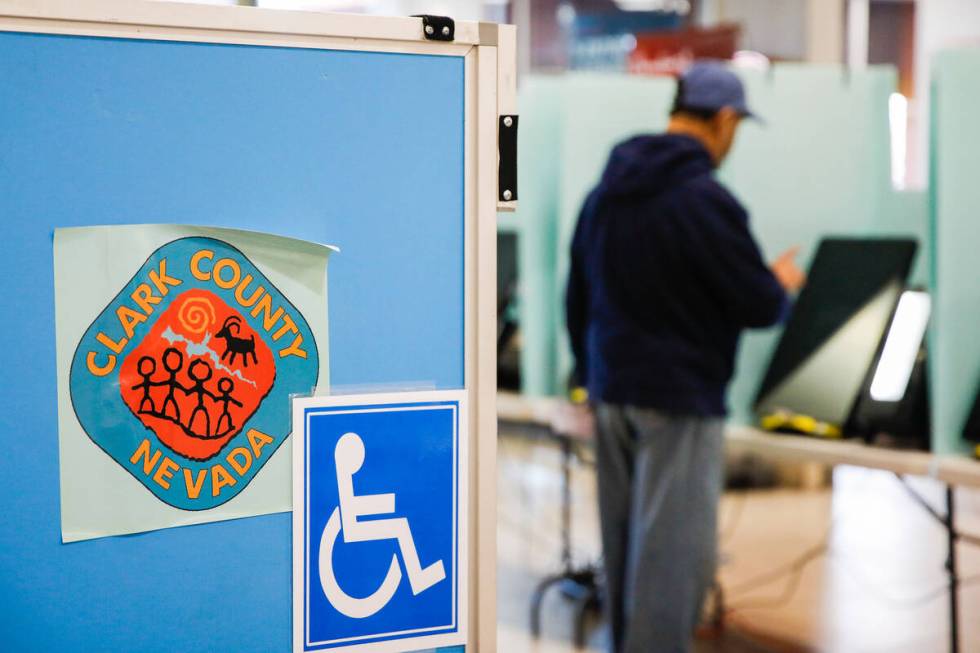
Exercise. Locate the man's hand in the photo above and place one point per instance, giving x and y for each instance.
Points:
(789, 275)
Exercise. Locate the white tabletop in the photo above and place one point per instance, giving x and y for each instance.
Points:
(949, 468)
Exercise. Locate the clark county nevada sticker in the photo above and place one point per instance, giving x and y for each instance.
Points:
(184, 378)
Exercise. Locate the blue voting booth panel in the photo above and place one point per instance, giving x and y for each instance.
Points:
(361, 150)
(411, 451)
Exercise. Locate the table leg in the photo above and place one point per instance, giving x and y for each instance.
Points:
(954, 582)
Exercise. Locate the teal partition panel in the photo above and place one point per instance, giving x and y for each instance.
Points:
(535, 223)
(955, 222)
(906, 213)
(820, 165)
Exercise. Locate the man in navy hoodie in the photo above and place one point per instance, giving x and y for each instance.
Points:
(664, 277)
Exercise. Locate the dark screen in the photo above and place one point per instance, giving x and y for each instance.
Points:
(971, 430)
(845, 275)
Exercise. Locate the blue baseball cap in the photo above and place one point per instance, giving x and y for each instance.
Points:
(711, 86)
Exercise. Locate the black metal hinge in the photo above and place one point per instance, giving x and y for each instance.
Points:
(437, 28)
(507, 151)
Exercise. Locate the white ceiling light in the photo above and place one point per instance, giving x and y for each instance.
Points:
(676, 6)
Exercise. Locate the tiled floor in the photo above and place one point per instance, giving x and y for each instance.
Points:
(879, 588)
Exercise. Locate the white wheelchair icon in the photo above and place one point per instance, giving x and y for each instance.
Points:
(349, 457)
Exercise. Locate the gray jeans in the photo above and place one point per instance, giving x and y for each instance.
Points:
(660, 478)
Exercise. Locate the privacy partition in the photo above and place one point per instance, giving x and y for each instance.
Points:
(360, 132)
(955, 227)
(802, 174)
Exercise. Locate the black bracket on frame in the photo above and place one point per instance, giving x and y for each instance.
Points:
(437, 28)
(507, 152)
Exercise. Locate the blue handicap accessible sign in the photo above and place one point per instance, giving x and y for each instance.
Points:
(379, 522)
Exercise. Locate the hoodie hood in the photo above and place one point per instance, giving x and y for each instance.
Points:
(649, 165)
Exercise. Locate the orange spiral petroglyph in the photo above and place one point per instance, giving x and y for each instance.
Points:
(196, 315)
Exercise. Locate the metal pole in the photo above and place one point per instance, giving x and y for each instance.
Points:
(566, 502)
(824, 31)
(954, 582)
(858, 21)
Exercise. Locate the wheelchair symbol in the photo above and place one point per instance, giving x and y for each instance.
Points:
(349, 457)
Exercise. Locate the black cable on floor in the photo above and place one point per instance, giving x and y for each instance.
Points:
(794, 571)
(793, 566)
(725, 534)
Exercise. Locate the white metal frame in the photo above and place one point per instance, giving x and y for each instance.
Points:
(490, 88)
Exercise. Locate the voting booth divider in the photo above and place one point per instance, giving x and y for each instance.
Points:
(955, 232)
(375, 135)
(802, 175)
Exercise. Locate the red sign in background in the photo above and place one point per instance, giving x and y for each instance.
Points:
(670, 53)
